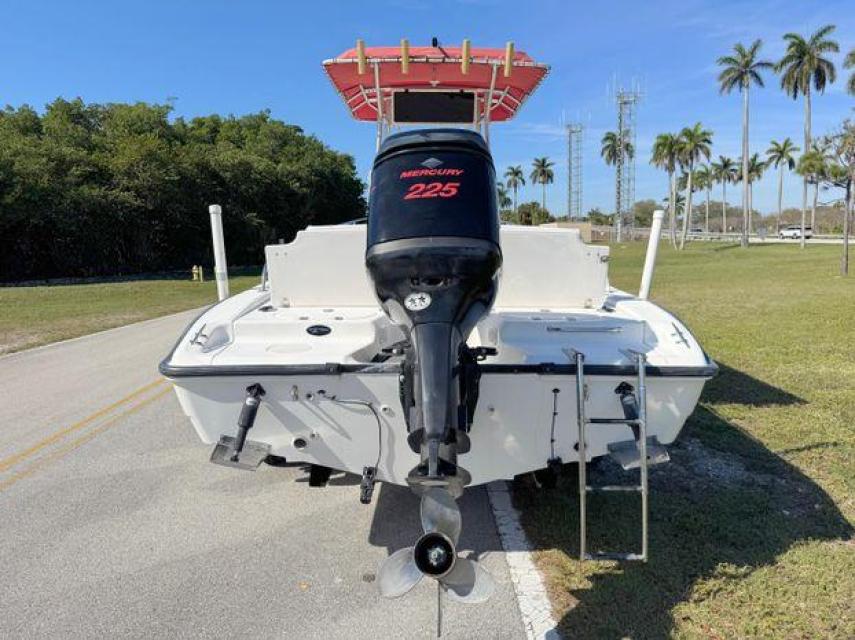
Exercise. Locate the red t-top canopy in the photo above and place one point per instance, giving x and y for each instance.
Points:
(434, 69)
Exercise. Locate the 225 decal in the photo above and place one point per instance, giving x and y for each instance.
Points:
(432, 190)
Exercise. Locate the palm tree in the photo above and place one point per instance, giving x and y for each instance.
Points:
(615, 149)
(812, 166)
(502, 194)
(782, 156)
(742, 69)
(694, 144)
(801, 66)
(516, 179)
(849, 63)
(704, 180)
(724, 171)
(755, 171)
(542, 172)
(666, 156)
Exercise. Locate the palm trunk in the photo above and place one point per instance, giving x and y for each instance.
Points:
(724, 206)
(850, 197)
(806, 150)
(707, 220)
(515, 201)
(688, 212)
(673, 222)
(750, 209)
(745, 166)
(543, 197)
(813, 206)
(813, 211)
(780, 194)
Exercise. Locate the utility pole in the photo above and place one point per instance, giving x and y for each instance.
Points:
(626, 100)
(574, 170)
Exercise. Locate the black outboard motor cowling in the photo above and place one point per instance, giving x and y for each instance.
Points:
(433, 255)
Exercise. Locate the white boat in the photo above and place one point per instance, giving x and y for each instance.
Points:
(426, 368)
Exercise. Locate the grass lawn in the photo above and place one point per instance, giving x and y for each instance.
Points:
(751, 523)
(31, 316)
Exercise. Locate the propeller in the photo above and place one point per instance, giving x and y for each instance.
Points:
(435, 555)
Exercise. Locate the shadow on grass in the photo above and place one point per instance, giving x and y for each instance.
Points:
(724, 499)
(731, 386)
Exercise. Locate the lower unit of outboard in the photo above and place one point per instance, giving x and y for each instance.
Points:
(433, 255)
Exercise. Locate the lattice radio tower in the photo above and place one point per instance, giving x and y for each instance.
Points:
(626, 100)
(574, 169)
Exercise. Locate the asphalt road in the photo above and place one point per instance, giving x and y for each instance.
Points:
(114, 524)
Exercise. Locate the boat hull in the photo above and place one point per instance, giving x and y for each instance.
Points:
(304, 419)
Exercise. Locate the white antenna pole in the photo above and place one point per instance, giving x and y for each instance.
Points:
(650, 258)
(220, 268)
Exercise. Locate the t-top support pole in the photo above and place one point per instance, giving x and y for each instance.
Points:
(221, 271)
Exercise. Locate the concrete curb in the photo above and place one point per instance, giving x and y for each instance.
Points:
(534, 605)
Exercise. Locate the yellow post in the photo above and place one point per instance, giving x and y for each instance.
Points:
(201, 274)
(509, 59)
(465, 55)
(405, 56)
(361, 62)
(194, 273)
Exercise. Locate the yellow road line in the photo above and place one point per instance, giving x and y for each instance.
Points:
(75, 444)
(9, 462)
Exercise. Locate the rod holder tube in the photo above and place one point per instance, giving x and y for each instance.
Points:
(405, 56)
(361, 60)
(650, 258)
(221, 270)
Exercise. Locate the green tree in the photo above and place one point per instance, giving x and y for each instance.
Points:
(615, 151)
(504, 200)
(841, 171)
(532, 213)
(666, 155)
(740, 70)
(542, 173)
(695, 144)
(704, 180)
(781, 155)
(598, 218)
(812, 167)
(724, 172)
(92, 189)
(515, 180)
(756, 167)
(803, 65)
(849, 63)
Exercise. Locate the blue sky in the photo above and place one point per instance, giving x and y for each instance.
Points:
(239, 57)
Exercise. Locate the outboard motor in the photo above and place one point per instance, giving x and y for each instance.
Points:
(433, 254)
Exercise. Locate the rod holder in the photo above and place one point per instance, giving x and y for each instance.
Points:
(361, 61)
(405, 56)
(509, 59)
(465, 56)
(650, 258)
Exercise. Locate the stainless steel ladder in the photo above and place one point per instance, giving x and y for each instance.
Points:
(641, 442)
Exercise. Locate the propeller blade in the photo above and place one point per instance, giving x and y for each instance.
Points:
(439, 512)
(468, 582)
(398, 574)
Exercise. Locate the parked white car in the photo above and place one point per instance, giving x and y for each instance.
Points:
(794, 232)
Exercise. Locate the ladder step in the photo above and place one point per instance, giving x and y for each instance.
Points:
(629, 421)
(613, 487)
(626, 453)
(604, 555)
